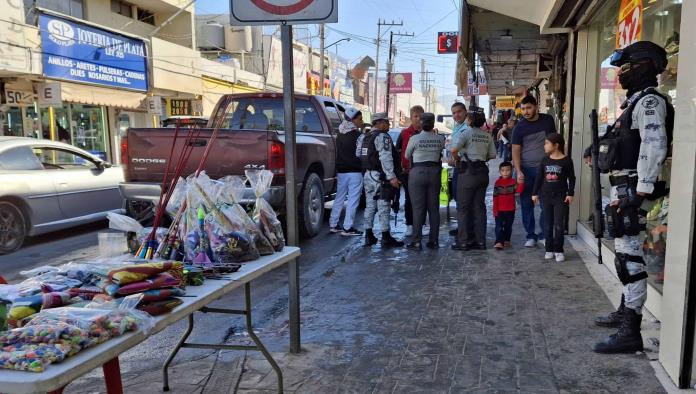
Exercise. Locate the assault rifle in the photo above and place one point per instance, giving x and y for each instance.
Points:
(598, 220)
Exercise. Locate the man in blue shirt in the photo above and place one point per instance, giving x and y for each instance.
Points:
(527, 151)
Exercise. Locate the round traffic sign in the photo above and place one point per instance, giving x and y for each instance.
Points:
(293, 6)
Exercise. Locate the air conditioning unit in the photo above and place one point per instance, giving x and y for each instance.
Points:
(238, 38)
(544, 66)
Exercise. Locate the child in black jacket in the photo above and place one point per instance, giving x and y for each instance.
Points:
(555, 184)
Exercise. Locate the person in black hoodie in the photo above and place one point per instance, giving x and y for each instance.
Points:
(349, 172)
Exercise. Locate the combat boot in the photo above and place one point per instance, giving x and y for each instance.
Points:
(627, 339)
(370, 238)
(389, 242)
(614, 318)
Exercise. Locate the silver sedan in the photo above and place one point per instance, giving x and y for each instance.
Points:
(47, 186)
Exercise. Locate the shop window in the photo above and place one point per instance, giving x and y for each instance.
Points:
(122, 8)
(19, 159)
(11, 122)
(73, 8)
(660, 24)
(146, 16)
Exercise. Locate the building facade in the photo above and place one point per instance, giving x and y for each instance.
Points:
(591, 31)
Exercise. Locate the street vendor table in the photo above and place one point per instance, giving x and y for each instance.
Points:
(57, 376)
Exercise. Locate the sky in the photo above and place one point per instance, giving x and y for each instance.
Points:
(357, 19)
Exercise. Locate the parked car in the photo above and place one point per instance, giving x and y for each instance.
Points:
(48, 186)
(252, 136)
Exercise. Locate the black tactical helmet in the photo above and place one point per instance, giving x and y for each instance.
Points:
(428, 121)
(641, 50)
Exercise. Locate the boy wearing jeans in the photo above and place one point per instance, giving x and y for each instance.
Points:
(504, 204)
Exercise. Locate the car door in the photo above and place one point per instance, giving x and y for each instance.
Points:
(83, 187)
(23, 177)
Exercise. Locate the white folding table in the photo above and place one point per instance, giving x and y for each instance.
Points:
(57, 376)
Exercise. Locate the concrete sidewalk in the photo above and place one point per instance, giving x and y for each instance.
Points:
(432, 322)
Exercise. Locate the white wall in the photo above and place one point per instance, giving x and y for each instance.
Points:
(179, 31)
(681, 204)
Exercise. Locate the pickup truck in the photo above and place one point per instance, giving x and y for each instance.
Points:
(251, 136)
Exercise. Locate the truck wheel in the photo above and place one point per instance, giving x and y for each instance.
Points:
(13, 227)
(311, 215)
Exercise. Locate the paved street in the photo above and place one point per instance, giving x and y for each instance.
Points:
(377, 321)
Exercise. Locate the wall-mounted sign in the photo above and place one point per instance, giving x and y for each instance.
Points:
(401, 83)
(154, 106)
(447, 42)
(478, 87)
(78, 52)
(266, 12)
(19, 97)
(630, 23)
(49, 94)
(177, 107)
(505, 102)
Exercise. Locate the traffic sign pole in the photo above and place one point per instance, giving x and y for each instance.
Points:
(291, 185)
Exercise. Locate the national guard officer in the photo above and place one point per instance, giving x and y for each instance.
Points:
(632, 152)
(476, 147)
(381, 163)
(424, 153)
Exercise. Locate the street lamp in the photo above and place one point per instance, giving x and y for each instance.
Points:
(321, 62)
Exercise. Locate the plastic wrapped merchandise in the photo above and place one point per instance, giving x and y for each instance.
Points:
(178, 197)
(54, 334)
(223, 229)
(229, 242)
(264, 215)
(232, 192)
(190, 227)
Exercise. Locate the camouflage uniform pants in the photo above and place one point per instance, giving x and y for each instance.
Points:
(375, 207)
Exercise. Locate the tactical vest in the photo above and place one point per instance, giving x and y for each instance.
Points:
(369, 156)
(619, 148)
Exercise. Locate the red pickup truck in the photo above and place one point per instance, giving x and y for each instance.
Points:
(251, 136)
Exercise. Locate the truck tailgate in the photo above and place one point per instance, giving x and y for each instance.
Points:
(148, 152)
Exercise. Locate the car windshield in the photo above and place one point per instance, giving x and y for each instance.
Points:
(268, 114)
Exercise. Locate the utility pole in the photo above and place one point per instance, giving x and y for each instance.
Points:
(380, 23)
(321, 59)
(425, 88)
(390, 63)
(428, 97)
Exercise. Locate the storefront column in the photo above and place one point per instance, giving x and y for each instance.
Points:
(584, 99)
(678, 287)
(52, 123)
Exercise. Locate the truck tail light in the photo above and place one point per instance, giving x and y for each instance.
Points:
(124, 152)
(276, 157)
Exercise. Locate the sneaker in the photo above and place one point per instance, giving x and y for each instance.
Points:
(498, 245)
(542, 242)
(409, 231)
(352, 232)
(560, 257)
(531, 243)
(334, 230)
(548, 256)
